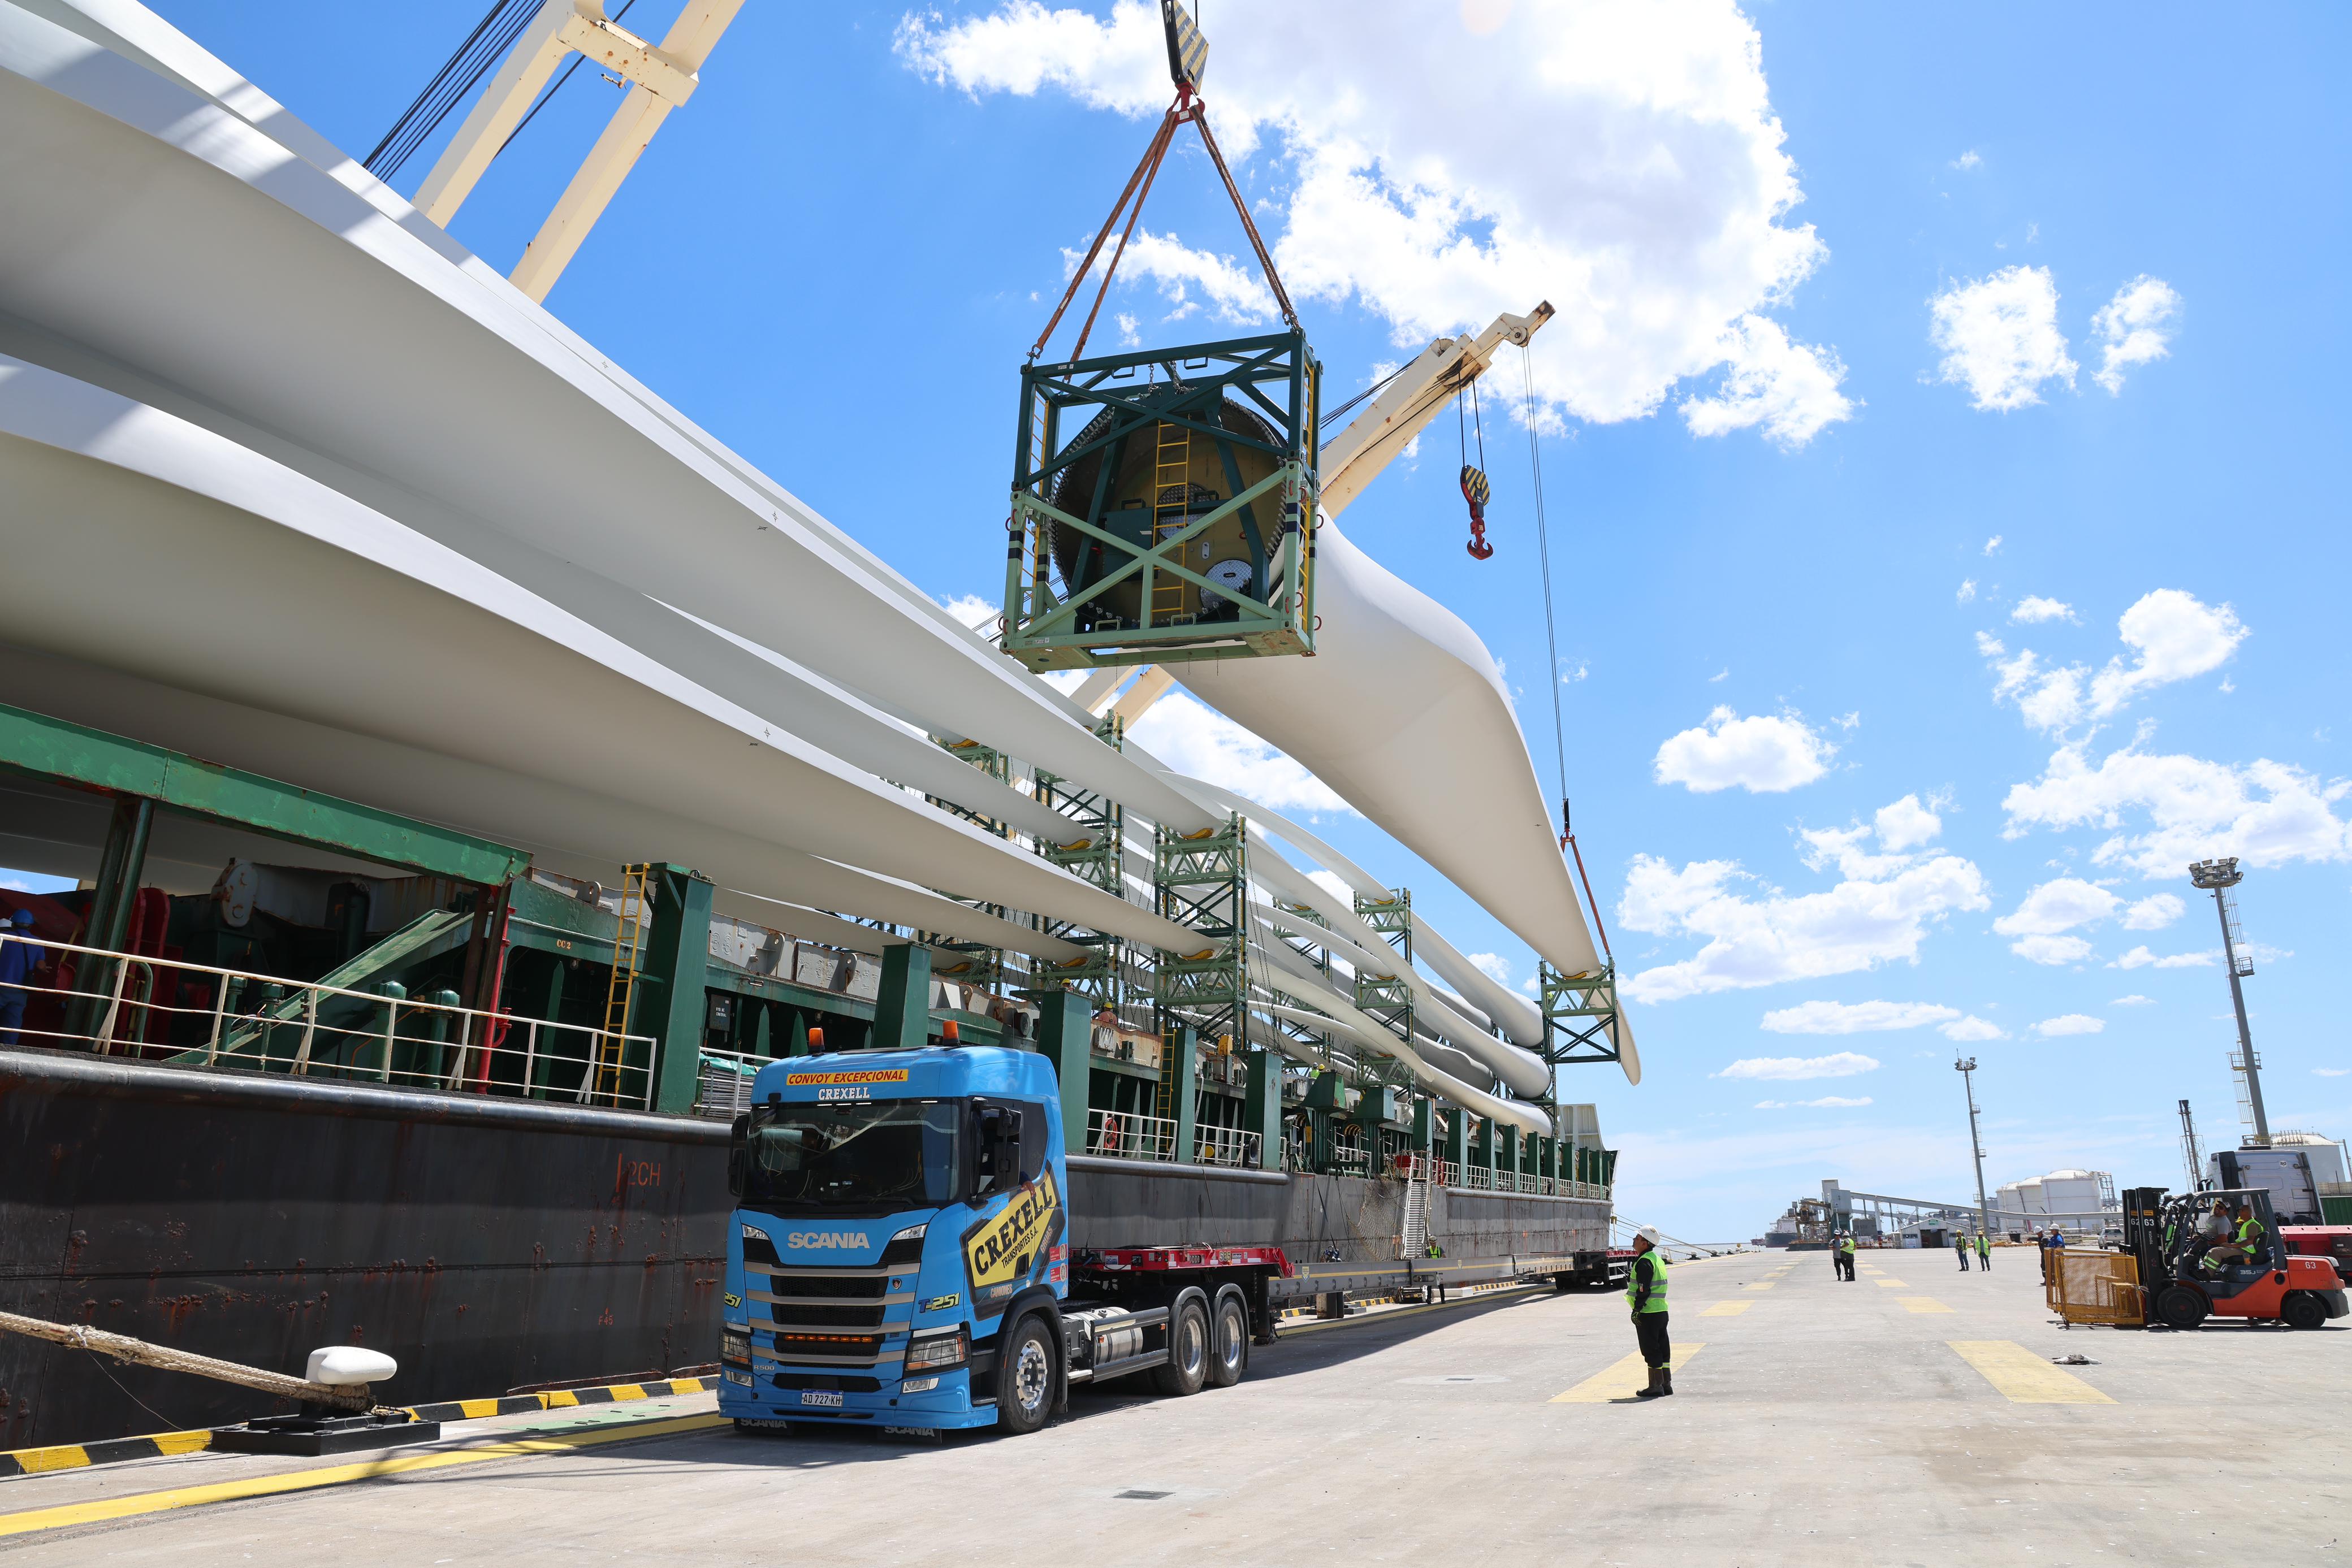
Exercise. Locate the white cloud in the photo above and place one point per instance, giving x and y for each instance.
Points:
(2059, 904)
(1332, 882)
(2133, 329)
(1854, 1018)
(2141, 958)
(2000, 337)
(1792, 1068)
(1967, 160)
(2033, 607)
(2069, 1023)
(1772, 1104)
(1494, 966)
(1643, 184)
(974, 612)
(1967, 590)
(1764, 754)
(1722, 674)
(1972, 1028)
(1879, 912)
(1235, 293)
(2160, 813)
(1789, 388)
(2331, 1071)
(1906, 824)
(1993, 543)
(1200, 743)
(2155, 912)
(2174, 636)
(1836, 1101)
(2134, 1000)
(1129, 337)
(2052, 950)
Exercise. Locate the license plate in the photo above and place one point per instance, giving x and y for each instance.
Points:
(818, 1396)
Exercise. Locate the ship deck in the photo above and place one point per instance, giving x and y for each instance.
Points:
(1913, 1414)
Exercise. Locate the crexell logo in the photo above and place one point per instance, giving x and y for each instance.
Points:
(827, 1238)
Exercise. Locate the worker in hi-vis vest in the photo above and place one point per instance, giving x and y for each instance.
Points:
(1845, 1256)
(1646, 1292)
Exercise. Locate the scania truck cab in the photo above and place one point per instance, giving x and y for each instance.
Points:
(901, 1255)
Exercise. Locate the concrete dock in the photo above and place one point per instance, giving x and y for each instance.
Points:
(1913, 1416)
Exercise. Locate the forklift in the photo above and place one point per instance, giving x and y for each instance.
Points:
(2166, 1236)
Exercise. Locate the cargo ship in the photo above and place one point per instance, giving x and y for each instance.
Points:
(452, 844)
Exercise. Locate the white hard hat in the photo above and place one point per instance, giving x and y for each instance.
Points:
(1648, 1233)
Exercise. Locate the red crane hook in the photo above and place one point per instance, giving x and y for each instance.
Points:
(1476, 491)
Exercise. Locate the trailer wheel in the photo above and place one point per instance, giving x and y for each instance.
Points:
(1024, 1378)
(2180, 1307)
(2302, 1310)
(1187, 1367)
(1230, 1353)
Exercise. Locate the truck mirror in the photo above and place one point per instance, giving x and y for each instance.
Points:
(739, 1154)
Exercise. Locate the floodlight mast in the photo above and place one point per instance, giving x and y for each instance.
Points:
(1966, 1067)
(2218, 877)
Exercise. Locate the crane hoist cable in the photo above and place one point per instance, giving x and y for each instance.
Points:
(1187, 55)
(1551, 639)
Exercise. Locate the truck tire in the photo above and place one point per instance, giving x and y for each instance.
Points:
(1025, 1377)
(2302, 1310)
(1187, 1367)
(1229, 1345)
(2179, 1307)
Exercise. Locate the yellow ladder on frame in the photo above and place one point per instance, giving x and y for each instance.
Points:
(1172, 501)
(628, 949)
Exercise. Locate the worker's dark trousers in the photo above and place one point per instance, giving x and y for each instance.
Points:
(1650, 1329)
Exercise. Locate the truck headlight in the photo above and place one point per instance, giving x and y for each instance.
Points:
(735, 1347)
(935, 1352)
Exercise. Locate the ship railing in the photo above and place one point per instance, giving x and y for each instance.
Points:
(173, 1013)
(1347, 1159)
(1125, 1136)
(1228, 1146)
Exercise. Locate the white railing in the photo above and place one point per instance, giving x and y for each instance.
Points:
(199, 1016)
(1227, 1147)
(723, 1084)
(1124, 1135)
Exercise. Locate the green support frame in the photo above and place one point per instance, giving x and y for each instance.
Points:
(1203, 882)
(1091, 853)
(1580, 1014)
(1075, 625)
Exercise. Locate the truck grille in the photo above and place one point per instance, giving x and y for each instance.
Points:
(829, 1317)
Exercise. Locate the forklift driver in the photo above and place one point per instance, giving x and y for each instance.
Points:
(2241, 1247)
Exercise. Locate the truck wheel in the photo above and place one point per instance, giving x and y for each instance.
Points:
(1187, 1367)
(2303, 1311)
(1230, 1353)
(2180, 1307)
(1024, 1378)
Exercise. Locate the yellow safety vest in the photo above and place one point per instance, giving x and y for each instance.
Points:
(1657, 1302)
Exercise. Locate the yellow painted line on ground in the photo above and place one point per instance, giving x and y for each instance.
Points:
(70, 1514)
(1759, 1284)
(1727, 1309)
(2023, 1378)
(1922, 1304)
(1620, 1380)
(1890, 1284)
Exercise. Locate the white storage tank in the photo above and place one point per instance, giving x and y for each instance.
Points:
(2072, 1192)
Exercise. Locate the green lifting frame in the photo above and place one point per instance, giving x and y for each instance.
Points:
(1388, 997)
(1052, 622)
(1579, 1013)
(978, 964)
(1092, 853)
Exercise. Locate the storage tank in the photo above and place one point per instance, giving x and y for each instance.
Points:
(2071, 1192)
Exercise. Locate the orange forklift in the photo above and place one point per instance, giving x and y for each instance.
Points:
(2169, 1240)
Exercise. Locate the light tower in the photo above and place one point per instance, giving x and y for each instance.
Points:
(2190, 1154)
(2219, 876)
(1966, 1067)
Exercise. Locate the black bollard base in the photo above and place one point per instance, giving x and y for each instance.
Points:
(337, 1432)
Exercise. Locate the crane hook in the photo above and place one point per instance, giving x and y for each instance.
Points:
(1476, 491)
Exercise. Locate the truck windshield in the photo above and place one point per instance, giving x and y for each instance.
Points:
(859, 1154)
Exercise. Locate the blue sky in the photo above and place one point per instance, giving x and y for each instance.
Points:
(1824, 423)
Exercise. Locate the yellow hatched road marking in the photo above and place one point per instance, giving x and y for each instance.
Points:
(1620, 1380)
(1890, 1284)
(1727, 1309)
(1922, 1304)
(70, 1514)
(1759, 1284)
(2023, 1378)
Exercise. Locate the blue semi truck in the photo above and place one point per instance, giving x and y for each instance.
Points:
(901, 1255)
